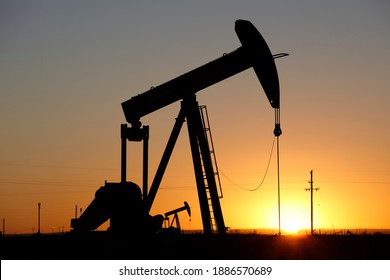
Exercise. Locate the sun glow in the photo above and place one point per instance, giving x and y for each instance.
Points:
(291, 227)
(293, 220)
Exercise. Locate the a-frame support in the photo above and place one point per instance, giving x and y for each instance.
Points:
(204, 171)
(210, 207)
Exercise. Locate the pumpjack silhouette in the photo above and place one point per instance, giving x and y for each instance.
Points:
(123, 202)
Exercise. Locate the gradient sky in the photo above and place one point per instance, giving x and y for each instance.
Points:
(66, 66)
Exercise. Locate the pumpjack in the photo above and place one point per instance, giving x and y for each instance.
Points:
(123, 203)
(176, 216)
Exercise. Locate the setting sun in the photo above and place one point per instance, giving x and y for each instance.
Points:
(293, 220)
(292, 226)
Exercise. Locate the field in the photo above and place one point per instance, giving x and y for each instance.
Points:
(197, 246)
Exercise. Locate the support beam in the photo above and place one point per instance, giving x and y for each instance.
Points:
(145, 163)
(164, 160)
(196, 160)
(203, 169)
(123, 152)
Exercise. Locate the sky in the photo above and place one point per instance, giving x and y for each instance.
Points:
(66, 67)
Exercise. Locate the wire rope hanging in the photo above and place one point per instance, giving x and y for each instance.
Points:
(277, 133)
(264, 176)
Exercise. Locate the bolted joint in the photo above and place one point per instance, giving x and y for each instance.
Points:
(135, 133)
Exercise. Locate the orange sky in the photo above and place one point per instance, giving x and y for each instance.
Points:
(66, 68)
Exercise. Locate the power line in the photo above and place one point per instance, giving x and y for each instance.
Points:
(355, 182)
(43, 193)
(47, 183)
(326, 215)
(56, 166)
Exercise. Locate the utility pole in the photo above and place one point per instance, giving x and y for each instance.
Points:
(39, 217)
(3, 226)
(311, 198)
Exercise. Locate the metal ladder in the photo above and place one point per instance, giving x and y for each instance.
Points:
(207, 131)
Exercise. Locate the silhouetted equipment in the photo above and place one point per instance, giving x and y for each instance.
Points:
(176, 216)
(116, 201)
(122, 204)
(255, 53)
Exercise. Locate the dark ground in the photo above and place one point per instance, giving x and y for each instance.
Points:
(197, 246)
